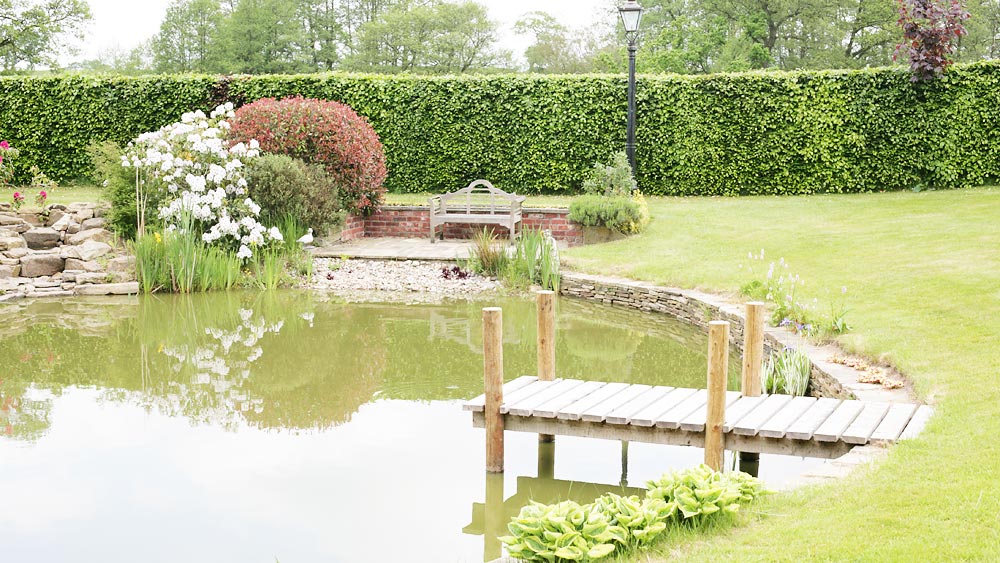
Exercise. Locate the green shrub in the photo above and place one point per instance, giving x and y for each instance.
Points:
(119, 186)
(323, 132)
(624, 214)
(535, 261)
(489, 254)
(288, 188)
(787, 372)
(614, 179)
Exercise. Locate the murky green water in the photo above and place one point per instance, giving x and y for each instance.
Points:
(255, 427)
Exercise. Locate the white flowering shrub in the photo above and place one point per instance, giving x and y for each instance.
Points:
(202, 178)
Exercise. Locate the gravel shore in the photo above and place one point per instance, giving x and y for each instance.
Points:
(406, 278)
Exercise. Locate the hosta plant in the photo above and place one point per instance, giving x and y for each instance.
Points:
(562, 532)
(642, 519)
(701, 493)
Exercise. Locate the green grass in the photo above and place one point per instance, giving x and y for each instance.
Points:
(62, 194)
(532, 201)
(923, 278)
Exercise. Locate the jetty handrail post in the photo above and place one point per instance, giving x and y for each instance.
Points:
(753, 357)
(718, 370)
(546, 342)
(493, 383)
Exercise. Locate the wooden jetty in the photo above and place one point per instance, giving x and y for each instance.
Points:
(747, 421)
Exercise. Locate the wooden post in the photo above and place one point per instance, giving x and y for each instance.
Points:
(718, 370)
(546, 342)
(753, 356)
(493, 382)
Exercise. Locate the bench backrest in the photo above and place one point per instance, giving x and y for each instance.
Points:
(480, 197)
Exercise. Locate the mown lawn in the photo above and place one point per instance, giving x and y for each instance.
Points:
(923, 278)
(532, 201)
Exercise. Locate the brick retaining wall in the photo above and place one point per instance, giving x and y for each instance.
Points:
(414, 222)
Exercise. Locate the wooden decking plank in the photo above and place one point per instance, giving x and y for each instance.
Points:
(695, 422)
(574, 411)
(527, 393)
(743, 407)
(917, 423)
(479, 403)
(805, 426)
(600, 411)
(894, 422)
(672, 418)
(775, 427)
(624, 413)
(525, 406)
(839, 421)
(648, 415)
(750, 424)
(865, 424)
(551, 408)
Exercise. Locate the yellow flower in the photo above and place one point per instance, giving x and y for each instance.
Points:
(158, 238)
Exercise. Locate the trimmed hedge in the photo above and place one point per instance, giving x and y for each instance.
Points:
(750, 133)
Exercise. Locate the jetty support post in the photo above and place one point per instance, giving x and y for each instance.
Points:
(493, 383)
(718, 370)
(753, 357)
(546, 301)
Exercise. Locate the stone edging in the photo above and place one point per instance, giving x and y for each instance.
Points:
(829, 379)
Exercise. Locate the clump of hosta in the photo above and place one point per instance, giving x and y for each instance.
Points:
(700, 493)
(202, 178)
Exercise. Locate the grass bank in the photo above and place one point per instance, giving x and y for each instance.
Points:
(923, 278)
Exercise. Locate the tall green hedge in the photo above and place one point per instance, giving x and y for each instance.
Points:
(751, 133)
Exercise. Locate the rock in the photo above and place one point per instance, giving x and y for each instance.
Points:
(93, 278)
(82, 266)
(9, 261)
(63, 223)
(91, 250)
(122, 264)
(38, 265)
(7, 233)
(7, 272)
(32, 218)
(9, 243)
(58, 206)
(100, 235)
(16, 253)
(41, 238)
(46, 283)
(130, 288)
(83, 214)
(73, 228)
(7, 220)
(95, 223)
(54, 217)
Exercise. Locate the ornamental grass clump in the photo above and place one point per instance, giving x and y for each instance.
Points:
(322, 132)
(787, 372)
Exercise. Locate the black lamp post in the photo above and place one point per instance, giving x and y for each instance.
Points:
(631, 13)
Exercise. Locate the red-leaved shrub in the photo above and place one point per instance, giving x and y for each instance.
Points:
(327, 133)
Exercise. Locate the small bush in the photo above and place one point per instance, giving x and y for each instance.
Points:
(119, 187)
(535, 260)
(287, 187)
(327, 133)
(489, 255)
(611, 180)
(624, 214)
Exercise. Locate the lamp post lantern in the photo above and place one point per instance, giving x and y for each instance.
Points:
(631, 13)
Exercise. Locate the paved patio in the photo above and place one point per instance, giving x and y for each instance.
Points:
(397, 249)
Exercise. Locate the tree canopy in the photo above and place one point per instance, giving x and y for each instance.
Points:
(34, 33)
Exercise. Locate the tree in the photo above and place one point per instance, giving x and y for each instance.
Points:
(188, 36)
(556, 48)
(262, 37)
(324, 32)
(32, 34)
(437, 37)
(931, 29)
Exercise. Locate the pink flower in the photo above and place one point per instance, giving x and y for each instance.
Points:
(4, 145)
(43, 194)
(17, 195)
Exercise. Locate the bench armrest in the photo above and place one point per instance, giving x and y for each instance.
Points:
(435, 203)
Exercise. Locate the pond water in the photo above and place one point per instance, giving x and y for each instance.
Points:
(293, 427)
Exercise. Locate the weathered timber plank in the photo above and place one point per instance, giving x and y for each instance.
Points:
(672, 418)
(775, 427)
(805, 426)
(648, 415)
(551, 408)
(623, 414)
(598, 412)
(695, 422)
(576, 410)
(750, 424)
(743, 407)
(865, 424)
(839, 421)
(893, 424)
(917, 423)
(526, 393)
(479, 403)
(653, 435)
(525, 406)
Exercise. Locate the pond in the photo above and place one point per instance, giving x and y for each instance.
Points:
(289, 426)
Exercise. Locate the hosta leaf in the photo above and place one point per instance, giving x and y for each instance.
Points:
(571, 553)
(535, 544)
(602, 550)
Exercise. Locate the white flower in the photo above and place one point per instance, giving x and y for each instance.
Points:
(197, 183)
(244, 252)
(275, 234)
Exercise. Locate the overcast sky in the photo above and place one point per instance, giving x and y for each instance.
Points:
(123, 24)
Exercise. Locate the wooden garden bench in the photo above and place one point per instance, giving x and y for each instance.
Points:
(479, 203)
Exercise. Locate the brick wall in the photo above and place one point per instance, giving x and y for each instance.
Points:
(414, 222)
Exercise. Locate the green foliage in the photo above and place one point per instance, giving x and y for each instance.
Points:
(489, 254)
(535, 261)
(787, 372)
(33, 33)
(289, 189)
(613, 179)
(181, 263)
(728, 134)
(119, 186)
(624, 214)
(568, 531)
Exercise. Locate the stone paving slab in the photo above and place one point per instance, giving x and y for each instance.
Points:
(397, 249)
